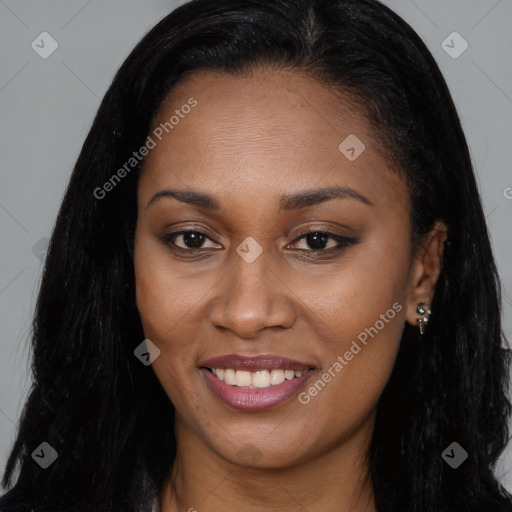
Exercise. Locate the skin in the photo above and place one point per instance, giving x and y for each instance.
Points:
(249, 141)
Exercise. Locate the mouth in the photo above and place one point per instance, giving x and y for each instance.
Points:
(252, 380)
(255, 383)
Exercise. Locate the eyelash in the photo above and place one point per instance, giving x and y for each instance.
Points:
(343, 241)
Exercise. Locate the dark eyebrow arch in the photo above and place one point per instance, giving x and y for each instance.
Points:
(187, 196)
(316, 196)
(287, 202)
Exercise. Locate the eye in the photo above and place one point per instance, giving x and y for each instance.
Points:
(188, 240)
(319, 241)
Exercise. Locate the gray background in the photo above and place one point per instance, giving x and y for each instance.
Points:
(48, 105)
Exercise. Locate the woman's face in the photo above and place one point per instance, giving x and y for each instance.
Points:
(235, 294)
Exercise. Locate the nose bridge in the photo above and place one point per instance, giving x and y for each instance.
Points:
(252, 281)
(252, 297)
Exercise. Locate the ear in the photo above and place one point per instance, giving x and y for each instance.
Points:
(425, 270)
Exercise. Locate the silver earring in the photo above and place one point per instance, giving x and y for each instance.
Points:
(424, 311)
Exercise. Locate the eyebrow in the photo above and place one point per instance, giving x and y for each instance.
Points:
(288, 202)
(316, 196)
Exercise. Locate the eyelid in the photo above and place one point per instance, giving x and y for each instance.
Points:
(170, 237)
(342, 241)
(318, 229)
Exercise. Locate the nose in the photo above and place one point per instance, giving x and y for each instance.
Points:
(252, 297)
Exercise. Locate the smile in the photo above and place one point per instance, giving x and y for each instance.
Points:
(254, 383)
(259, 379)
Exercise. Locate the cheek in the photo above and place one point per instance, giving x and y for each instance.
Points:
(169, 303)
(353, 295)
(363, 306)
(163, 316)
(162, 303)
(150, 287)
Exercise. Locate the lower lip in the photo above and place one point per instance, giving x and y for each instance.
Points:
(255, 399)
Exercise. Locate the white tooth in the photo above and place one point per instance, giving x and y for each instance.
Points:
(230, 377)
(261, 379)
(289, 374)
(276, 377)
(243, 378)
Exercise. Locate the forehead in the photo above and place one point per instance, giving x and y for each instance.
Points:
(268, 131)
(267, 109)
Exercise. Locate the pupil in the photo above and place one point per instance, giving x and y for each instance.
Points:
(192, 239)
(317, 240)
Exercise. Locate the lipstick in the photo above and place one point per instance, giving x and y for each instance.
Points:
(255, 383)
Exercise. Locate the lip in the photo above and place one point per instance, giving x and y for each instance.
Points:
(255, 399)
(255, 363)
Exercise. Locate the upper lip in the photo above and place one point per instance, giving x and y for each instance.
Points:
(254, 363)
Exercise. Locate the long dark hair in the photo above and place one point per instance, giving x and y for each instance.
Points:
(107, 415)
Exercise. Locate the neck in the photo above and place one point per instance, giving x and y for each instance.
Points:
(203, 481)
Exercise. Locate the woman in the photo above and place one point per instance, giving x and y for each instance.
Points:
(270, 285)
